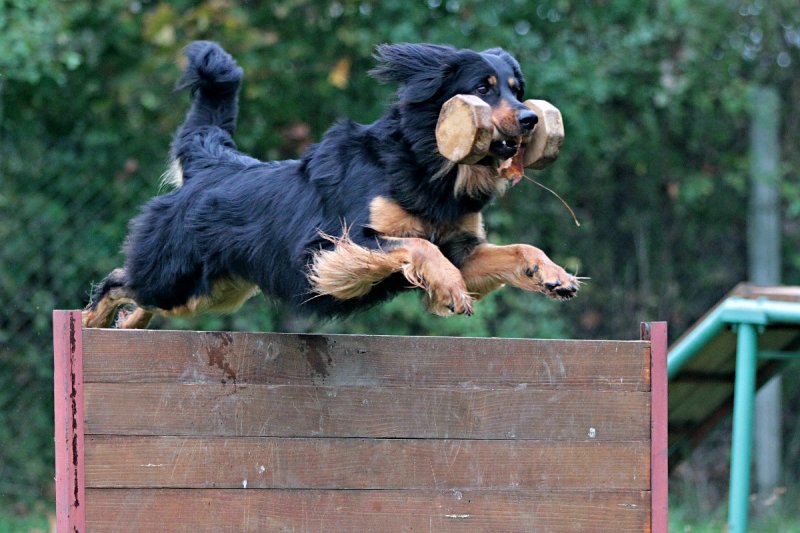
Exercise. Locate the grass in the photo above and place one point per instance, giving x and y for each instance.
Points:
(784, 520)
(32, 523)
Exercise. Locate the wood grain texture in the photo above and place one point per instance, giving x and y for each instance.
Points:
(298, 411)
(191, 462)
(464, 129)
(548, 136)
(338, 360)
(237, 511)
(190, 431)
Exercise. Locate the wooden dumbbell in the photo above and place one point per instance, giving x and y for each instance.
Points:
(464, 131)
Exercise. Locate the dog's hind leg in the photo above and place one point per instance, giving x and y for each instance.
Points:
(139, 318)
(112, 292)
(350, 271)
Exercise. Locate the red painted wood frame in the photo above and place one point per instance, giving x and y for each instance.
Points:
(656, 333)
(69, 420)
(69, 426)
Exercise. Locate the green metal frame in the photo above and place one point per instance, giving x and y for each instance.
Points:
(747, 317)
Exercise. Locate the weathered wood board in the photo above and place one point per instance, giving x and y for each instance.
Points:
(189, 431)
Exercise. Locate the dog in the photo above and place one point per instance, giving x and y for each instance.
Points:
(369, 211)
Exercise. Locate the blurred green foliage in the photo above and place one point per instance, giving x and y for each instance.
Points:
(655, 96)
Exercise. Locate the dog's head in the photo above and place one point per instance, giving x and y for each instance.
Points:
(429, 75)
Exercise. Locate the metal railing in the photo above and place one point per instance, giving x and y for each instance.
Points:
(748, 318)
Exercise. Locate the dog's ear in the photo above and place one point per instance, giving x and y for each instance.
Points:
(420, 69)
(505, 56)
(513, 63)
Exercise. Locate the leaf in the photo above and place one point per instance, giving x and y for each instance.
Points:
(339, 76)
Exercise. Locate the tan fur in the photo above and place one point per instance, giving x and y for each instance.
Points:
(472, 223)
(227, 296)
(139, 318)
(473, 180)
(505, 121)
(512, 82)
(489, 267)
(492, 80)
(388, 218)
(350, 271)
(444, 284)
(102, 316)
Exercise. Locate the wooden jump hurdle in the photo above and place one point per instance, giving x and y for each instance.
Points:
(186, 431)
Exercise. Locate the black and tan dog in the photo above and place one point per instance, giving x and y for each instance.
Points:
(369, 211)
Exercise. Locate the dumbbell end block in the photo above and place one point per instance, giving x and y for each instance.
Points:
(464, 130)
(548, 135)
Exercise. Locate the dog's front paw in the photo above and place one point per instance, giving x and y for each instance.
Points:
(445, 288)
(545, 276)
(449, 300)
(559, 290)
(442, 282)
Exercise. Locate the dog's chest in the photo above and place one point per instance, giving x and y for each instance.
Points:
(389, 219)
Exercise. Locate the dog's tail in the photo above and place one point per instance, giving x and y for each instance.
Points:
(214, 79)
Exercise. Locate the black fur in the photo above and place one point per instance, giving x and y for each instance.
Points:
(241, 217)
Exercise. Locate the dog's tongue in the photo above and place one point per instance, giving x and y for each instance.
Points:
(512, 169)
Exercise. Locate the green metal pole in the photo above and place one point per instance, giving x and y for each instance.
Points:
(741, 447)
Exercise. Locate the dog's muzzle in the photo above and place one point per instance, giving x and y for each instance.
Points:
(507, 145)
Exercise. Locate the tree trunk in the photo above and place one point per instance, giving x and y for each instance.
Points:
(764, 251)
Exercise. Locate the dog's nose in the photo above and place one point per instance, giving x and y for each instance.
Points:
(527, 120)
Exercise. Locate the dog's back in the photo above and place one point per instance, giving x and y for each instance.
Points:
(234, 223)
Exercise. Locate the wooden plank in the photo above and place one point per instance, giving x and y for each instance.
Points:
(236, 511)
(335, 360)
(297, 411)
(68, 402)
(192, 462)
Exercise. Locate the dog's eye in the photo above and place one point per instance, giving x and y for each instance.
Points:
(482, 89)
